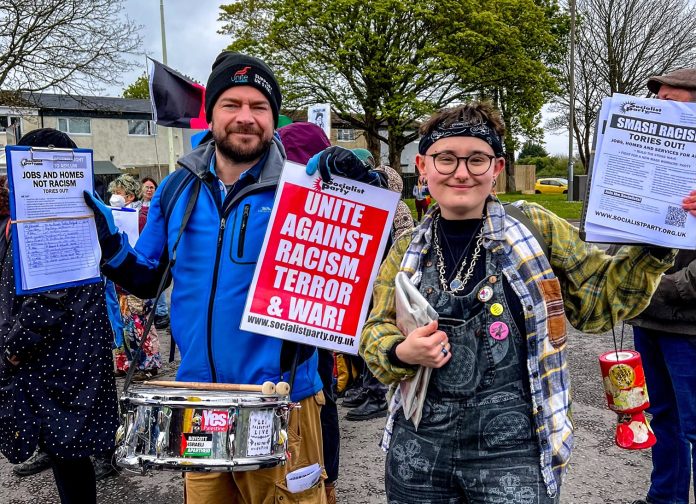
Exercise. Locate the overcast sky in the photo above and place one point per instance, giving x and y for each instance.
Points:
(192, 38)
(193, 43)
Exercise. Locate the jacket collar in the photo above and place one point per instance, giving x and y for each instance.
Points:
(198, 161)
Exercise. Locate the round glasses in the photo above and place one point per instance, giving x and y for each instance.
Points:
(447, 163)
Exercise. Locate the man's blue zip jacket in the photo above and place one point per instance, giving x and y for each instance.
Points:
(215, 262)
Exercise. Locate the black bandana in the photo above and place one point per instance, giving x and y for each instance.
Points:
(481, 130)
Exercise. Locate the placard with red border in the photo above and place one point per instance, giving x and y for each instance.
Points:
(320, 256)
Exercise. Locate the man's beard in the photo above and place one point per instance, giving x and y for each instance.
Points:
(241, 153)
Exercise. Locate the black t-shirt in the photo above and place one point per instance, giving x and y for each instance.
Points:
(458, 237)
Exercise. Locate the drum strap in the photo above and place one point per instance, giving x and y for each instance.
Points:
(293, 369)
(163, 283)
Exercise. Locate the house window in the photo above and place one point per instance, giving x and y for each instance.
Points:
(11, 124)
(75, 125)
(141, 127)
(345, 135)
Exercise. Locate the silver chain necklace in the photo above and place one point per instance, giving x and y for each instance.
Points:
(458, 283)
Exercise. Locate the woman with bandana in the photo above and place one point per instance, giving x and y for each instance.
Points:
(496, 422)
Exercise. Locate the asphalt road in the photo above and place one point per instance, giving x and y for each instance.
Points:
(600, 472)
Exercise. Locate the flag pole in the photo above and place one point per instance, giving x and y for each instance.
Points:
(170, 134)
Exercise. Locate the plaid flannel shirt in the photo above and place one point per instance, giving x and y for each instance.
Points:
(597, 291)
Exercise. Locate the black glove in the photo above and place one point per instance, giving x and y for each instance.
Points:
(107, 232)
(341, 162)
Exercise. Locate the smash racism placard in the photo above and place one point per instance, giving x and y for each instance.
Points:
(320, 256)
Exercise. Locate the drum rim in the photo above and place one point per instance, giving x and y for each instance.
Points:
(145, 462)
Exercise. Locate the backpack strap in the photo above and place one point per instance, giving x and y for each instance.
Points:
(519, 215)
(176, 183)
(163, 282)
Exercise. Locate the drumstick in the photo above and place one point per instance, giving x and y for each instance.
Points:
(282, 388)
(267, 388)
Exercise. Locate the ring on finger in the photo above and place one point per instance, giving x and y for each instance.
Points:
(444, 351)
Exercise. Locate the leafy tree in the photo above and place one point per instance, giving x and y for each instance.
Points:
(551, 166)
(385, 64)
(517, 41)
(531, 149)
(139, 89)
(619, 45)
(64, 45)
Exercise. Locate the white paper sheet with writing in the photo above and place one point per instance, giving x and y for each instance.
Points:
(645, 164)
(56, 239)
(303, 479)
(260, 433)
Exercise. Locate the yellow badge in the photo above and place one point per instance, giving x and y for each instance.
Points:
(622, 375)
(497, 309)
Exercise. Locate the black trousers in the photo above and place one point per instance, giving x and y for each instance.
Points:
(330, 434)
(75, 480)
(375, 389)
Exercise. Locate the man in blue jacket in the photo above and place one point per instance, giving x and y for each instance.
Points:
(238, 172)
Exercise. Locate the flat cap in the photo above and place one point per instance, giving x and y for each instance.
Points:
(684, 78)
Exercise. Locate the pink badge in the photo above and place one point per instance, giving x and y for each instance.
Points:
(499, 330)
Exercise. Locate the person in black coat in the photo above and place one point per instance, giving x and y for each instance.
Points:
(57, 389)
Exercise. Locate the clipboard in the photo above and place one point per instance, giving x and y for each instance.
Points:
(38, 178)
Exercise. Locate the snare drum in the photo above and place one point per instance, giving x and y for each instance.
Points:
(202, 430)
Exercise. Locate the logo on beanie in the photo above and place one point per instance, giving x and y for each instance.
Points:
(240, 76)
(263, 83)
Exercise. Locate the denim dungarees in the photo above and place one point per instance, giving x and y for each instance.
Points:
(475, 442)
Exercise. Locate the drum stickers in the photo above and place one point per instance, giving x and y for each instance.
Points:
(197, 444)
(201, 424)
(214, 421)
(260, 433)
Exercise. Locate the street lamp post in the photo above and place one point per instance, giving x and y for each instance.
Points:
(170, 134)
(571, 81)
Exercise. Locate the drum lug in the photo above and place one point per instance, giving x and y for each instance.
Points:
(231, 432)
(164, 417)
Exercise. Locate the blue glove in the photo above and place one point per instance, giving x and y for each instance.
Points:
(341, 162)
(107, 232)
